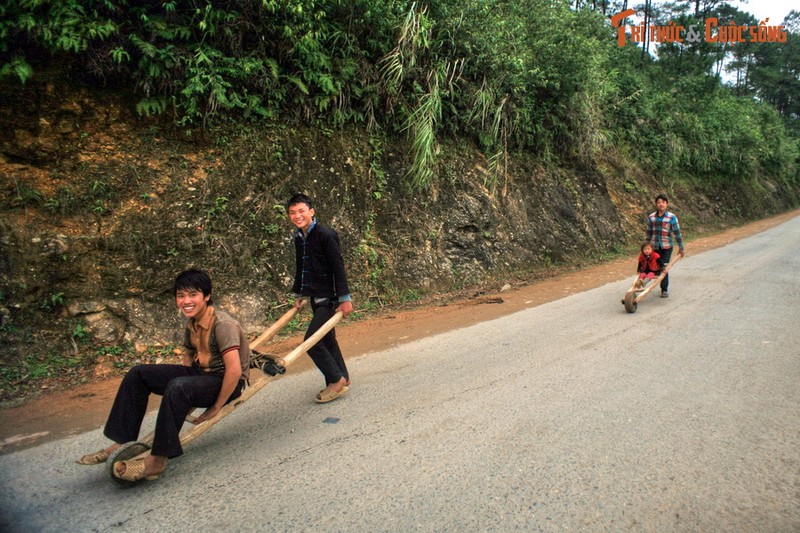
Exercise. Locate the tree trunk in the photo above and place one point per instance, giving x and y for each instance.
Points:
(646, 43)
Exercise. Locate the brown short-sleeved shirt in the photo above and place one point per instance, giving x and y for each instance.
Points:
(206, 350)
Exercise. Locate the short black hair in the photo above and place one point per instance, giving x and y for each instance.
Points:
(662, 196)
(299, 199)
(193, 280)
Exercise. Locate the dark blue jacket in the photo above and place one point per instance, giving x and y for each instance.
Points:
(319, 271)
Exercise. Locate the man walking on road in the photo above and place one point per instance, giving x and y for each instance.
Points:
(662, 226)
(320, 276)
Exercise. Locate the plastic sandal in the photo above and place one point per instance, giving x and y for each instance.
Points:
(327, 395)
(94, 458)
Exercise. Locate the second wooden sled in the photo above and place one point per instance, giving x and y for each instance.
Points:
(636, 294)
(134, 450)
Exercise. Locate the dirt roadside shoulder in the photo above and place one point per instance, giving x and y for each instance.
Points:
(58, 414)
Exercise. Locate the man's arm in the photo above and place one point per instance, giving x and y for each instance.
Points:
(676, 232)
(333, 254)
(233, 371)
(298, 267)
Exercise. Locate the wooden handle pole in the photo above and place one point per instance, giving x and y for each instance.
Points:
(276, 327)
(656, 281)
(313, 339)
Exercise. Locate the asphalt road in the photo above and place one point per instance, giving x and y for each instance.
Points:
(570, 416)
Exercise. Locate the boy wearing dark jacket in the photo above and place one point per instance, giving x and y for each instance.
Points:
(320, 276)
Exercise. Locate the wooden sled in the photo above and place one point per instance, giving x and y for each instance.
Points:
(636, 294)
(141, 448)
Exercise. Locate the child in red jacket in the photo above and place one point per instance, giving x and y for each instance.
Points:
(649, 266)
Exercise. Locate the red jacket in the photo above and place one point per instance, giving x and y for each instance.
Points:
(650, 264)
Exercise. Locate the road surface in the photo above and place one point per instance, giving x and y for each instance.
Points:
(569, 416)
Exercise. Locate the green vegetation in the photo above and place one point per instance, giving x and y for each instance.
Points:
(540, 87)
(543, 76)
(53, 302)
(36, 367)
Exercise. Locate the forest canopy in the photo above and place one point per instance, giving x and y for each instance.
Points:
(547, 77)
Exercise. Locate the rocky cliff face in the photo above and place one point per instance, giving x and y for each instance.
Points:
(101, 209)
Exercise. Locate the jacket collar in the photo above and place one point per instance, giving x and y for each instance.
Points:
(206, 320)
(299, 233)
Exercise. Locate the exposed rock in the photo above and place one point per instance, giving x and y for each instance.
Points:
(57, 245)
(104, 367)
(85, 307)
(105, 326)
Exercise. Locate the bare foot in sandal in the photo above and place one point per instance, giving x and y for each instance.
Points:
(149, 467)
(332, 391)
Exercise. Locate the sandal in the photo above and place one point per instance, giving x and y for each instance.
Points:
(134, 471)
(94, 458)
(327, 395)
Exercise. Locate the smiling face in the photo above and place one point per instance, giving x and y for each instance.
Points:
(661, 205)
(301, 216)
(191, 302)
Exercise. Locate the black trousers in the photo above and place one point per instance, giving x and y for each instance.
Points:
(182, 388)
(666, 255)
(326, 353)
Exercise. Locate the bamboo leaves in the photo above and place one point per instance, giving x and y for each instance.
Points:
(508, 75)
